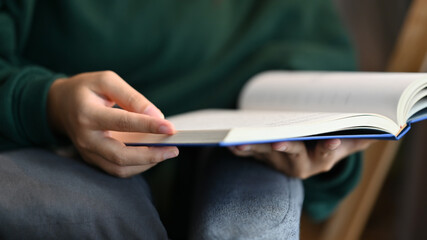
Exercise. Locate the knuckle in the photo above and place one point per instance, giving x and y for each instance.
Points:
(149, 125)
(105, 77)
(108, 74)
(154, 158)
(124, 123)
(118, 159)
(81, 143)
(135, 101)
(325, 154)
(82, 120)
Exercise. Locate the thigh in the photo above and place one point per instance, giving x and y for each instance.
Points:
(45, 196)
(244, 199)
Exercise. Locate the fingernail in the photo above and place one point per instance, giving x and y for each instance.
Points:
(170, 154)
(165, 129)
(334, 144)
(282, 147)
(244, 147)
(154, 112)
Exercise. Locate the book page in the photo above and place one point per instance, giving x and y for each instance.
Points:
(266, 126)
(213, 125)
(215, 119)
(180, 138)
(250, 126)
(359, 92)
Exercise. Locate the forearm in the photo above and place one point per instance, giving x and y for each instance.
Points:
(23, 96)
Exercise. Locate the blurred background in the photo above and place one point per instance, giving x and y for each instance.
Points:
(391, 203)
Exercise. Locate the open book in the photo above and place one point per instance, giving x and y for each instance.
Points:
(281, 106)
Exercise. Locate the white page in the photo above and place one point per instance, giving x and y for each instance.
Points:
(327, 91)
(240, 126)
(258, 125)
(229, 119)
(212, 126)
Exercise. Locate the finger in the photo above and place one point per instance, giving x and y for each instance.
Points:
(298, 162)
(115, 88)
(280, 161)
(240, 153)
(325, 155)
(331, 144)
(243, 148)
(255, 148)
(119, 154)
(325, 148)
(113, 169)
(247, 150)
(350, 146)
(329, 152)
(290, 147)
(115, 119)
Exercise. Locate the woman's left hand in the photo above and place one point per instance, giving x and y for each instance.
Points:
(303, 159)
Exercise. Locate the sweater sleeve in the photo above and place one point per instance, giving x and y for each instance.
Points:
(23, 87)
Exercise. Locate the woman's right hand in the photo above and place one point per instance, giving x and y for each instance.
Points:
(82, 108)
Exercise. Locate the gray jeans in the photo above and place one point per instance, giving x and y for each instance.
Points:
(45, 196)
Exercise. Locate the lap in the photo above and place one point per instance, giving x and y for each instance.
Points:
(243, 199)
(48, 197)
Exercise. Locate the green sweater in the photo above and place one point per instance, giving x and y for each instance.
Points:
(179, 54)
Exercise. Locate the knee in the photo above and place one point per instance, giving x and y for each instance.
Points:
(264, 210)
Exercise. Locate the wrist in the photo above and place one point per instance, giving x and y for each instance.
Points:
(54, 112)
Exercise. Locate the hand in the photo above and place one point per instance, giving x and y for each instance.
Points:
(296, 159)
(82, 108)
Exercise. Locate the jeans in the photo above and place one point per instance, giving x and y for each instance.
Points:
(46, 196)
